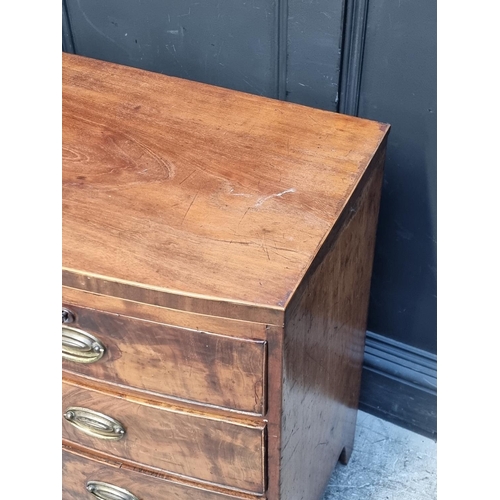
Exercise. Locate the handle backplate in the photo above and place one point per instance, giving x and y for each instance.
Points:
(106, 491)
(80, 346)
(94, 424)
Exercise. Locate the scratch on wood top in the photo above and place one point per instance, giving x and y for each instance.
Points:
(277, 195)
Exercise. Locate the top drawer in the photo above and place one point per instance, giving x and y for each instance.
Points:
(166, 360)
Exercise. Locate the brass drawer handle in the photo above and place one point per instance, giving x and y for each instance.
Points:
(94, 424)
(106, 491)
(80, 346)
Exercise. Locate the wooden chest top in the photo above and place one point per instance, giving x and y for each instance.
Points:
(178, 193)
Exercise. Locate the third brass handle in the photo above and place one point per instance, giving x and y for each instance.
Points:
(94, 424)
(106, 491)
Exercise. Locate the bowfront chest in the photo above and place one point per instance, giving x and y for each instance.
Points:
(217, 255)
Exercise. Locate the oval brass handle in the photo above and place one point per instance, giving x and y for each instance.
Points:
(80, 346)
(94, 424)
(106, 491)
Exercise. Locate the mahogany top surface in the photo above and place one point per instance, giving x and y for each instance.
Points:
(198, 190)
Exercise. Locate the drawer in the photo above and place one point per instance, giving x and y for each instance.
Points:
(78, 470)
(165, 360)
(211, 449)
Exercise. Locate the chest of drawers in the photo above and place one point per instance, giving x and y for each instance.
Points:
(217, 255)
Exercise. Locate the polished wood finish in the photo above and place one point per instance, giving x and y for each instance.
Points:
(274, 413)
(79, 467)
(221, 244)
(195, 446)
(323, 353)
(185, 319)
(208, 195)
(177, 362)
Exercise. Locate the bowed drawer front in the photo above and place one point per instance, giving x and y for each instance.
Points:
(166, 360)
(82, 472)
(190, 445)
(216, 264)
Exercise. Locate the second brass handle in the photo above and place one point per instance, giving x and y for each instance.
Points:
(94, 424)
(80, 346)
(106, 491)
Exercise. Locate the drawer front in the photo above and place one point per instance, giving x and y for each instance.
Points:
(167, 360)
(167, 440)
(79, 470)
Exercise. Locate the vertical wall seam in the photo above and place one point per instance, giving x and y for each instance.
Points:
(352, 57)
(344, 51)
(343, 48)
(282, 50)
(68, 44)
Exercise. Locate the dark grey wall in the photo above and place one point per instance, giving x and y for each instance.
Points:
(398, 86)
(274, 48)
(373, 58)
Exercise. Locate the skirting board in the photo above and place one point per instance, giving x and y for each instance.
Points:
(399, 384)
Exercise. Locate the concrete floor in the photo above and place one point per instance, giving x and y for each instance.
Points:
(388, 463)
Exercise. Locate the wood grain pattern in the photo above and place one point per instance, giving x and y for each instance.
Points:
(167, 360)
(200, 322)
(221, 246)
(323, 353)
(84, 280)
(78, 468)
(193, 446)
(273, 416)
(199, 193)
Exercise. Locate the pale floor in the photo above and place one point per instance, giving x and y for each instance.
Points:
(388, 463)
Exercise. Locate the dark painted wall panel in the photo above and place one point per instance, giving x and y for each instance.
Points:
(67, 36)
(314, 47)
(222, 42)
(398, 86)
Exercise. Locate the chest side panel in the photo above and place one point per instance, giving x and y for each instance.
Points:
(323, 352)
